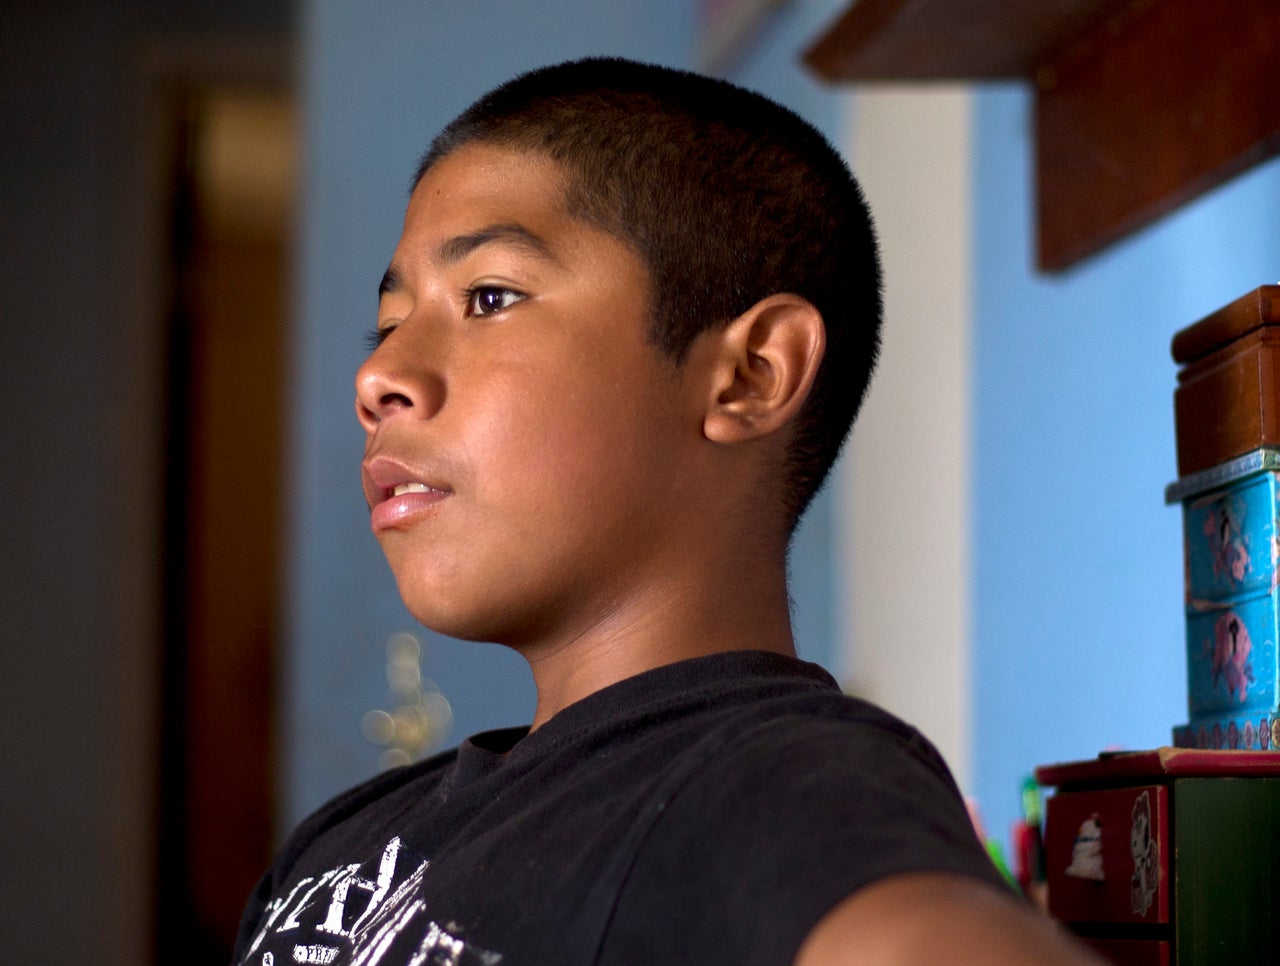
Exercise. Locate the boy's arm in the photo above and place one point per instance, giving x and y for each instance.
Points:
(937, 919)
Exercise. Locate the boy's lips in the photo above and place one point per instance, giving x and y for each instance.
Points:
(397, 493)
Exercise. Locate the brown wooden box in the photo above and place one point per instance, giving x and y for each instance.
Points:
(1228, 396)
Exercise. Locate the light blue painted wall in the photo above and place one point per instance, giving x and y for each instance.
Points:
(1077, 635)
(377, 82)
(771, 61)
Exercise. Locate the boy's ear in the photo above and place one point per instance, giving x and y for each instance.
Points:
(763, 364)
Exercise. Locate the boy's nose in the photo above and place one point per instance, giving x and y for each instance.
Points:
(389, 384)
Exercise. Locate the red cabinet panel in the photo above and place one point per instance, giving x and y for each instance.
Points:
(1107, 855)
(1132, 952)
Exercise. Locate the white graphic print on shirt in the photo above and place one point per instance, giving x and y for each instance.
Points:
(329, 914)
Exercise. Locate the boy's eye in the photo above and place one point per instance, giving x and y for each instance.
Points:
(487, 299)
(375, 337)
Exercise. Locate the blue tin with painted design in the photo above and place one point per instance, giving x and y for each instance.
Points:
(1231, 544)
(1229, 536)
(1231, 657)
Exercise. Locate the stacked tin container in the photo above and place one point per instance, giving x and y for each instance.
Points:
(1227, 407)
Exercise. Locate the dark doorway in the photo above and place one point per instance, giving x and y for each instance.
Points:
(234, 160)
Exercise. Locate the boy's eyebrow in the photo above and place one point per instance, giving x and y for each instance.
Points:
(458, 247)
(391, 283)
(509, 233)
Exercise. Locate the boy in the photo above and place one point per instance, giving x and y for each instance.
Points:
(619, 345)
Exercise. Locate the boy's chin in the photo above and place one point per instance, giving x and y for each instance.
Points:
(433, 617)
(457, 619)
(504, 606)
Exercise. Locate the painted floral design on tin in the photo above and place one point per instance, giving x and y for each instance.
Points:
(1275, 554)
(1224, 529)
(1230, 656)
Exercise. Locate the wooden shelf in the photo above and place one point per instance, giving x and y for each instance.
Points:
(878, 40)
(1141, 105)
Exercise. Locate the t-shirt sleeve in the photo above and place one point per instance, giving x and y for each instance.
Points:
(776, 828)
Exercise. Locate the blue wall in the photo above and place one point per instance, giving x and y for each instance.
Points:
(1077, 636)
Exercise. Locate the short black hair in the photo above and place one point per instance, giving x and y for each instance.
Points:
(727, 196)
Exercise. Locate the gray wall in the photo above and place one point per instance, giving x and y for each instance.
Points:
(62, 360)
(79, 425)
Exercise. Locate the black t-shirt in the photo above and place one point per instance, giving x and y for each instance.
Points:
(707, 811)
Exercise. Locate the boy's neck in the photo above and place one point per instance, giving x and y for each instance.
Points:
(702, 610)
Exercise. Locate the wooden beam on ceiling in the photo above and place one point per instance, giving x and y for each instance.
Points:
(950, 39)
(1141, 105)
(1135, 121)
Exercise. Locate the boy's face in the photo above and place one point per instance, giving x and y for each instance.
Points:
(525, 444)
